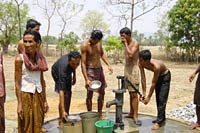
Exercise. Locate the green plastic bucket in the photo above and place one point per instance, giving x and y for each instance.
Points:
(104, 126)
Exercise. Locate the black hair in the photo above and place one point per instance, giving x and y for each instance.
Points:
(145, 55)
(31, 23)
(125, 30)
(96, 34)
(74, 54)
(37, 36)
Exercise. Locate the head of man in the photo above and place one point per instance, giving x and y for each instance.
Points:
(74, 59)
(31, 41)
(96, 36)
(144, 57)
(125, 34)
(33, 25)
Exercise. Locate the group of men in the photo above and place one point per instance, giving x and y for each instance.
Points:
(31, 87)
(91, 53)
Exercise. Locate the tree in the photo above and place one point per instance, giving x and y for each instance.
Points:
(93, 20)
(163, 33)
(114, 47)
(49, 9)
(19, 17)
(184, 26)
(66, 10)
(9, 23)
(124, 10)
(139, 37)
(51, 39)
(68, 42)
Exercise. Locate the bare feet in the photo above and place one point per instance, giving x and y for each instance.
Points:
(101, 117)
(43, 130)
(193, 126)
(155, 126)
(59, 124)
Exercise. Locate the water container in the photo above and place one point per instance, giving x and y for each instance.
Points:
(88, 121)
(74, 125)
(104, 126)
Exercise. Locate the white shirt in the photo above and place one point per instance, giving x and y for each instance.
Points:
(30, 81)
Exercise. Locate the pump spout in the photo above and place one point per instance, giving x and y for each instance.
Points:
(110, 103)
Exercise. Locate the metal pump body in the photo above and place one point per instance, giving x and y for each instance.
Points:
(118, 101)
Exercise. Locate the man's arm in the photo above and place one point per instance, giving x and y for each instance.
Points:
(83, 64)
(153, 85)
(64, 114)
(194, 74)
(4, 82)
(61, 76)
(20, 46)
(143, 80)
(18, 74)
(46, 107)
(131, 51)
(105, 60)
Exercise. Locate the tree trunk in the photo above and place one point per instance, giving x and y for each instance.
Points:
(61, 52)
(5, 48)
(19, 19)
(132, 14)
(47, 42)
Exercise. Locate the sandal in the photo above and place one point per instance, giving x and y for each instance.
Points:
(193, 126)
(137, 122)
(128, 116)
(154, 121)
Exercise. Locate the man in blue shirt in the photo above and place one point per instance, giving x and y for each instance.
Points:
(62, 72)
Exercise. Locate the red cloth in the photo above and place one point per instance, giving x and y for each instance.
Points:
(2, 115)
(97, 74)
(41, 64)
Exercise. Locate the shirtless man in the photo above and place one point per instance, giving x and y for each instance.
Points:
(131, 71)
(30, 25)
(91, 53)
(160, 83)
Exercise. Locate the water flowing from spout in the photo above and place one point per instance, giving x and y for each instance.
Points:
(107, 112)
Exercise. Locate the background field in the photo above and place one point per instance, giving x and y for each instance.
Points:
(181, 92)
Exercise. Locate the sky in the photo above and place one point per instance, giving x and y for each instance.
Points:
(145, 24)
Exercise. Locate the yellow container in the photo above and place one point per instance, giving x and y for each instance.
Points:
(74, 125)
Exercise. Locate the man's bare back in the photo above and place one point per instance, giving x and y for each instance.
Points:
(93, 53)
(157, 65)
(133, 59)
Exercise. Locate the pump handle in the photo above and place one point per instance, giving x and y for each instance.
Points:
(120, 77)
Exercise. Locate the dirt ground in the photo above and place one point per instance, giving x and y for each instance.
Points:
(181, 91)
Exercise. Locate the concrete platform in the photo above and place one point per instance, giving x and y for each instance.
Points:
(127, 129)
(170, 126)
